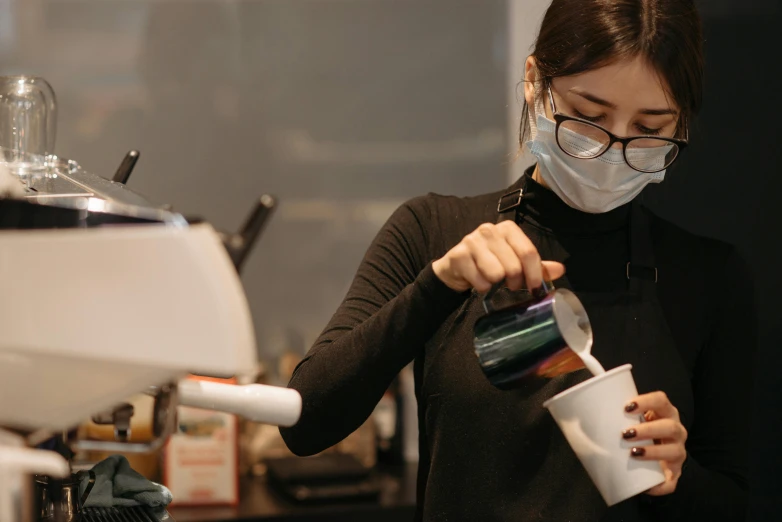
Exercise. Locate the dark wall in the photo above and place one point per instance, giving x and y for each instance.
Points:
(728, 186)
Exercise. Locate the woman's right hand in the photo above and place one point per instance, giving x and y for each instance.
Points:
(491, 253)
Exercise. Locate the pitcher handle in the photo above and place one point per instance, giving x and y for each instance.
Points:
(87, 490)
(538, 293)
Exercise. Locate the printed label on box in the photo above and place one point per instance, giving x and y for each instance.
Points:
(201, 466)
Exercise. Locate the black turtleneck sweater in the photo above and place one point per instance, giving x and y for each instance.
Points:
(478, 461)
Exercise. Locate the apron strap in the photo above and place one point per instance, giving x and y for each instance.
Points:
(507, 210)
(508, 205)
(641, 269)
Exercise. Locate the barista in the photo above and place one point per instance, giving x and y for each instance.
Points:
(610, 90)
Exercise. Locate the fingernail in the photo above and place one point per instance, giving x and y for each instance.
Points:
(631, 407)
(629, 434)
(637, 452)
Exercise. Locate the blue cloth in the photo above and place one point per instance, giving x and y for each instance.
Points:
(117, 484)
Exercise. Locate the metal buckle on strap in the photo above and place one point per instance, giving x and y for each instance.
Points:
(514, 203)
(645, 268)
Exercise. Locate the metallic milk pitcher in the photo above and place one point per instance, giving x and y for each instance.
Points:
(59, 500)
(538, 337)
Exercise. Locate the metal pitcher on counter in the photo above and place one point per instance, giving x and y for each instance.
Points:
(58, 500)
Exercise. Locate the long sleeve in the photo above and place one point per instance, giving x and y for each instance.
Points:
(394, 305)
(713, 485)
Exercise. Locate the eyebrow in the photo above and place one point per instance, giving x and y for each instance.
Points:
(604, 103)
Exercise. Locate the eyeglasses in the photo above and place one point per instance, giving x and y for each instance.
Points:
(583, 139)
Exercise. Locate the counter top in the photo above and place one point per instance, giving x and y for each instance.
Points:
(258, 502)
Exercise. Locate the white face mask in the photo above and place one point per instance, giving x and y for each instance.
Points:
(593, 185)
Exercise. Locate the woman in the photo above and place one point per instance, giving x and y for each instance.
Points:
(610, 90)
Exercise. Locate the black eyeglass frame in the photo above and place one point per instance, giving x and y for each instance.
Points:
(560, 118)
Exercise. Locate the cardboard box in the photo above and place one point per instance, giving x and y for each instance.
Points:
(201, 459)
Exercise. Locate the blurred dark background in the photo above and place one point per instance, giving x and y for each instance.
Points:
(728, 185)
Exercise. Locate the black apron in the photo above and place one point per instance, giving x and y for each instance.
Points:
(514, 449)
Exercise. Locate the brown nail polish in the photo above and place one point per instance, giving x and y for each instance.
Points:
(631, 407)
(637, 452)
(629, 434)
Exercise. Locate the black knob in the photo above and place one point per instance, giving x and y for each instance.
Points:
(126, 167)
(240, 244)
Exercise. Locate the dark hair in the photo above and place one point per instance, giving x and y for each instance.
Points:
(581, 35)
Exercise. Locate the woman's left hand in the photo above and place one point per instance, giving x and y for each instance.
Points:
(665, 428)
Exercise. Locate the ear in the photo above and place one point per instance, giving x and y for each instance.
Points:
(530, 77)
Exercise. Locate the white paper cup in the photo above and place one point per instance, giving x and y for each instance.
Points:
(591, 416)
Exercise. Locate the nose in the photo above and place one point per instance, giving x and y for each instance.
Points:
(620, 129)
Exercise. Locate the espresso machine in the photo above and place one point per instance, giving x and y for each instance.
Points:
(105, 295)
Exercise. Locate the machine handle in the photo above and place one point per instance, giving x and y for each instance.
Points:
(28, 460)
(255, 402)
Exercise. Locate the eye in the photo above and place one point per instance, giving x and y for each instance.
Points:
(593, 119)
(647, 131)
